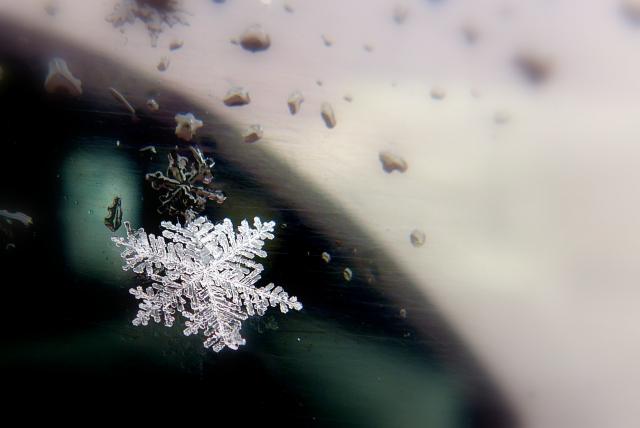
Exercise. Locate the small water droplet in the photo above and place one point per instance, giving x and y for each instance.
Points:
(417, 238)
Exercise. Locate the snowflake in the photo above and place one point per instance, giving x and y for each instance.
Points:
(156, 14)
(185, 188)
(206, 272)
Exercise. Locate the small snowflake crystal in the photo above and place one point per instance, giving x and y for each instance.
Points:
(156, 15)
(186, 187)
(206, 272)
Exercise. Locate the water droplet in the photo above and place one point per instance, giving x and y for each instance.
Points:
(417, 238)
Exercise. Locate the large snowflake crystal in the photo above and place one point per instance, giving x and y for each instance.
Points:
(207, 272)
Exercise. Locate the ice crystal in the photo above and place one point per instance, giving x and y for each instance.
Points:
(113, 220)
(206, 272)
(156, 15)
(185, 189)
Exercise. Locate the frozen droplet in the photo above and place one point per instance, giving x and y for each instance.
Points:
(328, 115)
(347, 274)
(60, 79)
(294, 102)
(470, 33)
(326, 257)
(400, 13)
(51, 7)
(164, 63)
(151, 149)
(113, 220)
(392, 162)
(534, 66)
(237, 96)
(153, 105)
(253, 133)
(327, 40)
(187, 125)
(255, 39)
(17, 216)
(438, 93)
(417, 238)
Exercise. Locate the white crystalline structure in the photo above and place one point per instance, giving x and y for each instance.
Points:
(206, 272)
